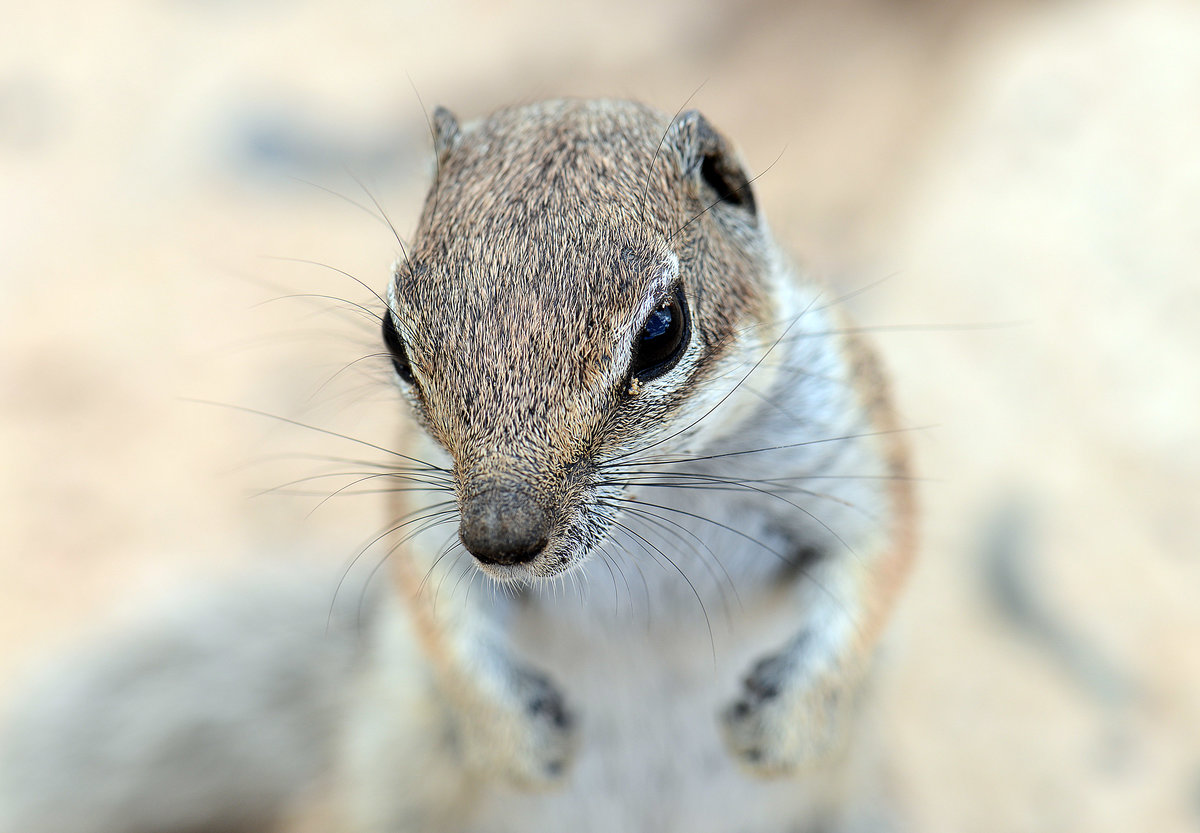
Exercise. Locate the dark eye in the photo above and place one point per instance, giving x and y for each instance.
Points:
(395, 346)
(663, 339)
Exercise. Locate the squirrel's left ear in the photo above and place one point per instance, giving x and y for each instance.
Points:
(446, 133)
(708, 161)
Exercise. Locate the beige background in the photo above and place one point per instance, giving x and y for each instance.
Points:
(1029, 165)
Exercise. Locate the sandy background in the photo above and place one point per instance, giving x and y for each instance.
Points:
(1034, 166)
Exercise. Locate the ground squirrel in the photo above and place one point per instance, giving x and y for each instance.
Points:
(673, 473)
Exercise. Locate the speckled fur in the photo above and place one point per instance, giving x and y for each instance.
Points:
(692, 650)
(537, 210)
(551, 232)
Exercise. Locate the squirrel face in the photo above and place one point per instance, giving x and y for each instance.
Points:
(577, 277)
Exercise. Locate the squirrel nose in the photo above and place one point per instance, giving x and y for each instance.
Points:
(504, 526)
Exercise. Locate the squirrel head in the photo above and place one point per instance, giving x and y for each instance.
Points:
(581, 273)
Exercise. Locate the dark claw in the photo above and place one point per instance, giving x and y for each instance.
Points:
(548, 703)
(762, 689)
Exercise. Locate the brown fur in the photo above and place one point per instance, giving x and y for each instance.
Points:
(551, 231)
(533, 208)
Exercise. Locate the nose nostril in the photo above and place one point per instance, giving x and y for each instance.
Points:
(504, 526)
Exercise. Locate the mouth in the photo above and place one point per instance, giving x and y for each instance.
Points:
(550, 561)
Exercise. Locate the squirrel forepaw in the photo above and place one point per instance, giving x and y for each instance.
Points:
(784, 719)
(527, 734)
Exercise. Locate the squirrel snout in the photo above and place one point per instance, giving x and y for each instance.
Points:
(504, 526)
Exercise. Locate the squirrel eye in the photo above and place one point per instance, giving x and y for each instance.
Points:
(395, 346)
(663, 339)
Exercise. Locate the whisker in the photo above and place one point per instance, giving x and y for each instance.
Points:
(391, 551)
(364, 479)
(788, 561)
(800, 478)
(375, 202)
(342, 370)
(437, 158)
(437, 593)
(326, 431)
(606, 560)
(468, 569)
(324, 458)
(699, 458)
(277, 339)
(641, 574)
(349, 306)
(719, 484)
(363, 476)
(665, 524)
(658, 149)
(359, 492)
(342, 272)
(722, 199)
(909, 328)
(734, 530)
(378, 218)
(445, 549)
(389, 529)
(703, 610)
(719, 402)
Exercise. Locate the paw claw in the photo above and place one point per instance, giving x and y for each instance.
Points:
(781, 722)
(527, 734)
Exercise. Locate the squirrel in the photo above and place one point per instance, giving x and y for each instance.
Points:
(667, 470)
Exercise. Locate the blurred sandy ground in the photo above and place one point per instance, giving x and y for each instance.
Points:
(1033, 165)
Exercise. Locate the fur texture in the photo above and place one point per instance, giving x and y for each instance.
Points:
(689, 647)
(753, 500)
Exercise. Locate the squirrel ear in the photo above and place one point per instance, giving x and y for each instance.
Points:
(446, 132)
(706, 157)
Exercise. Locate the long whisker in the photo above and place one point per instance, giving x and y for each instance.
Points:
(324, 458)
(787, 560)
(377, 217)
(342, 272)
(429, 483)
(437, 159)
(716, 202)
(399, 490)
(607, 561)
(666, 525)
(658, 149)
(677, 480)
(437, 592)
(341, 370)
(375, 202)
(703, 610)
(790, 562)
(326, 431)
(980, 326)
(647, 607)
(416, 516)
(363, 479)
(367, 311)
(445, 549)
(800, 478)
(801, 444)
(719, 402)
(468, 569)
(391, 551)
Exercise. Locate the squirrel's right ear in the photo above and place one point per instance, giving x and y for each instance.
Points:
(446, 133)
(708, 160)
